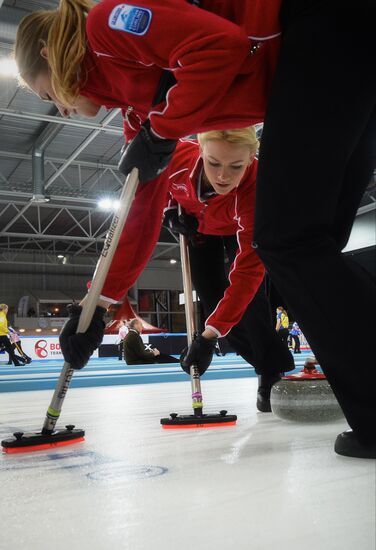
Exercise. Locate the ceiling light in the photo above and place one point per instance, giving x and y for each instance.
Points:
(60, 256)
(54, 330)
(40, 198)
(108, 204)
(21, 330)
(38, 330)
(8, 67)
(105, 204)
(173, 261)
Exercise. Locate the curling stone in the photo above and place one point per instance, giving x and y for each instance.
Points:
(305, 397)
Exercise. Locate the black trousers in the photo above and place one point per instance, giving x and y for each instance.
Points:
(161, 358)
(295, 337)
(316, 159)
(5, 343)
(283, 333)
(254, 337)
(121, 349)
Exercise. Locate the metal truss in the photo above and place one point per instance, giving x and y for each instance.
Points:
(102, 127)
(21, 256)
(111, 115)
(30, 227)
(33, 225)
(78, 187)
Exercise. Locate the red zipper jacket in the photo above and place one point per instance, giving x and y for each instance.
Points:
(220, 82)
(219, 215)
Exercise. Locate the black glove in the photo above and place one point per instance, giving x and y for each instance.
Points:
(183, 224)
(78, 348)
(147, 152)
(200, 353)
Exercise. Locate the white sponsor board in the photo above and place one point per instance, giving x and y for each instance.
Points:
(48, 347)
(44, 347)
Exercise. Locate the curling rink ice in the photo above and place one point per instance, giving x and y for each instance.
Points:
(262, 484)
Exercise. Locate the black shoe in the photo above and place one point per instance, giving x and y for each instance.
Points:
(263, 393)
(9, 363)
(347, 444)
(263, 403)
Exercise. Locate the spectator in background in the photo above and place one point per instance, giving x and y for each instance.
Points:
(295, 333)
(4, 340)
(134, 348)
(123, 331)
(15, 341)
(282, 326)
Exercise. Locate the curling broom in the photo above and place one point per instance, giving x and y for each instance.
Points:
(48, 437)
(198, 419)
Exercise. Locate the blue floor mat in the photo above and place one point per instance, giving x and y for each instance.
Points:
(109, 371)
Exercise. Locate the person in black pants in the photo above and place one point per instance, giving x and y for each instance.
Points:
(282, 324)
(134, 348)
(324, 92)
(294, 335)
(254, 337)
(7, 346)
(4, 340)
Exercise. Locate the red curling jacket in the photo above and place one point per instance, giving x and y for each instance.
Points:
(218, 215)
(220, 83)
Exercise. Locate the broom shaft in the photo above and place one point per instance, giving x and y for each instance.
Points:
(91, 300)
(197, 403)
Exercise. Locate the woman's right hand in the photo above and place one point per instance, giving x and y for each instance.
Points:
(181, 224)
(77, 348)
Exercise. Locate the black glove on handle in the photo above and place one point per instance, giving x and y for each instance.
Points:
(183, 224)
(78, 348)
(200, 353)
(150, 154)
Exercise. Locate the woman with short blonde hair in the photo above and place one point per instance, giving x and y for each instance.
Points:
(213, 180)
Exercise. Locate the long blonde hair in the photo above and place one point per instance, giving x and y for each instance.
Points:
(240, 136)
(62, 31)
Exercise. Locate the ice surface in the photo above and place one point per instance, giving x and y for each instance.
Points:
(263, 484)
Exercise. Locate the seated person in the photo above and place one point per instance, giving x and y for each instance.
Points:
(134, 348)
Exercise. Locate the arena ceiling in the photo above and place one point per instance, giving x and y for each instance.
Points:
(79, 167)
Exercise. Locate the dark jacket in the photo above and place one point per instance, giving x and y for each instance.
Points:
(134, 349)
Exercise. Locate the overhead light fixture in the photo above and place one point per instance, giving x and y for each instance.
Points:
(8, 67)
(108, 204)
(38, 330)
(60, 256)
(40, 198)
(54, 329)
(173, 261)
(21, 330)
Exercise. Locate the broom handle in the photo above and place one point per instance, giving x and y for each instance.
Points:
(197, 403)
(91, 300)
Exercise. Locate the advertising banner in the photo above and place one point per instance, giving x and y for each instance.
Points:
(44, 347)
